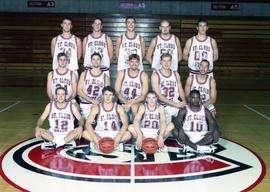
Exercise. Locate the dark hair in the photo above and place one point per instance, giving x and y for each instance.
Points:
(66, 18)
(134, 56)
(96, 54)
(194, 91)
(62, 54)
(202, 20)
(151, 92)
(60, 88)
(98, 18)
(130, 17)
(108, 88)
(204, 60)
(165, 55)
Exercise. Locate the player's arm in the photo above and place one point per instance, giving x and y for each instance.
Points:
(89, 124)
(124, 127)
(74, 85)
(117, 46)
(142, 46)
(151, 48)
(215, 49)
(41, 120)
(110, 48)
(187, 49)
(181, 91)
(141, 98)
(77, 114)
(84, 45)
(188, 85)
(137, 120)
(53, 43)
(80, 87)
(117, 86)
(213, 93)
(163, 126)
(107, 81)
(211, 122)
(79, 47)
(49, 86)
(179, 49)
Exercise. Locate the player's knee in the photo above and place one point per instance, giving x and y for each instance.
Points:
(170, 126)
(216, 136)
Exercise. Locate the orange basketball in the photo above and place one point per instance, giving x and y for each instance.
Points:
(106, 145)
(149, 145)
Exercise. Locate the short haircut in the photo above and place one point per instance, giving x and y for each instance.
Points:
(163, 21)
(130, 17)
(66, 18)
(166, 55)
(202, 20)
(108, 88)
(62, 54)
(204, 60)
(151, 92)
(98, 18)
(60, 88)
(194, 91)
(134, 56)
(96, 54)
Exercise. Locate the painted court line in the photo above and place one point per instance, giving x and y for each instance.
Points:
(257, 112)
(8, 107)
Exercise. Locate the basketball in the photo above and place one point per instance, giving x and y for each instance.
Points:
(149, 145)
(106, 145)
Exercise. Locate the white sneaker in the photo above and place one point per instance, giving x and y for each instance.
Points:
(69, 145)
(48, 145)
(120, 147)
(208, 149)
(187, 148)
(92, 146)
(163, 150)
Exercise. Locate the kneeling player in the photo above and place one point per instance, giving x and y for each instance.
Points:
(108, 115)
(61, 118)
(150, 121)
(195, 126)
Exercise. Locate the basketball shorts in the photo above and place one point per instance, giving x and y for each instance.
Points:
(169, 112)
(111, 134)
(152, 133)
(59, 135)
(85, 109)
(195, 137)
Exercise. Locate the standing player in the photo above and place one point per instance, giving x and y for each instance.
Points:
(195, 126)
(200, 47)
(108, 115)
(62, 77)
(167, 85)
(164, 43)
(60, 114)
(205, 84)
(150, 121)
(91, 83)
(98, 42)
(129, 43)
(69, 44)
(131, 85)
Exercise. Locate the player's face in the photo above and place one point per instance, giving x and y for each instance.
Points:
(108, 97)
(96, 61)
(203, 68)
(66, 25)
(97, 25)
(166, 62)
(62, 61)
(130, 25)
(151, 99)
(165, 28)
(61, 96)
(195, 100)
(134, 63)
(202, 28)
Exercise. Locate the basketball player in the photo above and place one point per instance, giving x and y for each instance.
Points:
(205, 84)
(62, 77)
(69, 44)
(60, 114)
(200, 47)
(164, 43)
(91, 83)
(98, 42)
(150, 121)
(131, 85)
(167, 85)
(108, 115)
(195, 126)
(129, 43)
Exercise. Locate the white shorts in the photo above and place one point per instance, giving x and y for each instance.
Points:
(169, 112)
(59, 135)
(153, 133)
(85, 109)
(195, 137)
(111, 134)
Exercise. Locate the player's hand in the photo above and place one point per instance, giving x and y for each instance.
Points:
(160, 142)
(139, 142)
(126, 106)
(181, 104)
(95, 102)
(78, 132)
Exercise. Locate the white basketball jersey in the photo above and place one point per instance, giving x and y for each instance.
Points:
(168, 85)
(165, 46)
(61, 119)
(203, 88)
(93, 84)
(97, 45)
(69, 47)
(200, 50)
(151, 118)
(62, 80)
(131, 87)
(128, 47)
(108, 120)
(195, 121)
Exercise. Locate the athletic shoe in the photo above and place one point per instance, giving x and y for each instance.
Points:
(69, 145)
(48, 145)
(206, 149)
(120, 147)
(163, 150)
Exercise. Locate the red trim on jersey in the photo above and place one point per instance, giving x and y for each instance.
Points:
(130, 38)
(103, 107)
(71, 35)
(206, 37)
(201, 83)
(56, 70)
(91, 74)
(128, 70)
(59, 107)
(165, 75)
(166, 39)
(96, 37)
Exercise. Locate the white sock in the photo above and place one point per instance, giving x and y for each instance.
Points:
(59, 142)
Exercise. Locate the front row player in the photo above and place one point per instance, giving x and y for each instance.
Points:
(150, 121)
(108, 115)
(60, 114)
(195, 126)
